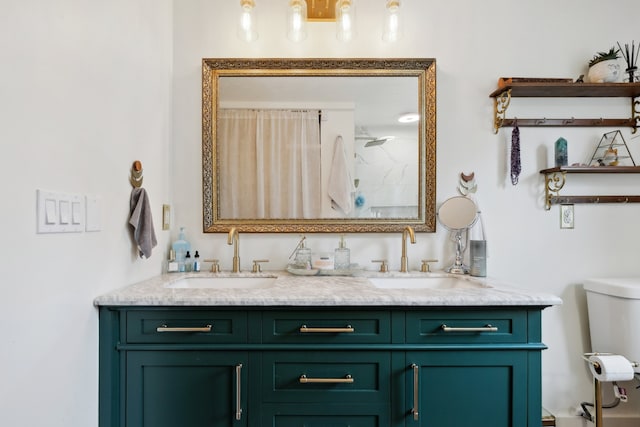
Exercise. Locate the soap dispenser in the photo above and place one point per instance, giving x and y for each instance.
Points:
(303, 255)
(181, 247)
(342, 256)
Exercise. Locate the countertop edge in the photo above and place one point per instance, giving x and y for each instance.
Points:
(307, 291)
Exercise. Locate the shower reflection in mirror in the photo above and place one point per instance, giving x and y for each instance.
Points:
(311, 163)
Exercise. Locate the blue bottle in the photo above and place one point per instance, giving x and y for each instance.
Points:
(181, 247)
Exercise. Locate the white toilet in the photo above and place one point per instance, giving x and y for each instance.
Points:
(614, 316)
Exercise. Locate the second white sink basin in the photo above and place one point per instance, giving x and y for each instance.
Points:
(425, 283)
(222, 283)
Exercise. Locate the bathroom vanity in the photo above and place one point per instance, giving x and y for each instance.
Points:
(321, 351)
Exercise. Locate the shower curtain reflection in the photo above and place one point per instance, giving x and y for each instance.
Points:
(269, 163)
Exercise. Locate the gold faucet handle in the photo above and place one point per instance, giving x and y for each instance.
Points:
(425, 265)
(256, 265)
(383, 265)
(215, 267)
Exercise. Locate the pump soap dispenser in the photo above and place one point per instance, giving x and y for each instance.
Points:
(342, 256)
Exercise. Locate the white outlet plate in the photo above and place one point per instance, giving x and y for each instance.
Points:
(566, 216)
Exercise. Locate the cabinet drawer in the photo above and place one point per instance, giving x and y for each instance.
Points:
(466, 327)
(309, 415)
(186, 326)
(331, 377)
(321, 327)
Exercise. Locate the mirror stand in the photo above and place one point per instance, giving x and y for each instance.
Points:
(458, 214)
(458, 266)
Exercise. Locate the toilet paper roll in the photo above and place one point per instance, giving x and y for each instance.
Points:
(611, 368)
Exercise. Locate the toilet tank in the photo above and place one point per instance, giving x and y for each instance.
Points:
(614, 316)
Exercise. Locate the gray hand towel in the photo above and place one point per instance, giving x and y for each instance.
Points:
(142, 222)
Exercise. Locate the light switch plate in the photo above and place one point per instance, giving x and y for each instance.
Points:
(59, 212)
(94, 213)
(166, 217)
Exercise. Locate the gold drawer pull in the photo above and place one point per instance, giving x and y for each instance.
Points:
(305, 380)
(416, 389)
(165, 328)
(238, 391)
(486, 328)
(304, 329)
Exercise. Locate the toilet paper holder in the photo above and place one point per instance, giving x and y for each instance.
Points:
(596, 365)
(597, 384)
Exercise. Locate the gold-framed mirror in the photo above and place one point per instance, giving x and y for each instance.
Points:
(316, 145)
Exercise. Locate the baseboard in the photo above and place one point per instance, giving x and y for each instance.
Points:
(623, 420)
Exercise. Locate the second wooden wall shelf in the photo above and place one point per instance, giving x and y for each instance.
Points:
(555, 178)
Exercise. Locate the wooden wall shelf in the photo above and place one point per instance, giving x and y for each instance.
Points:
(555, 178)
(502, 98)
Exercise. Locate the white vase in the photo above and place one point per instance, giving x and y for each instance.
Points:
(604, 72)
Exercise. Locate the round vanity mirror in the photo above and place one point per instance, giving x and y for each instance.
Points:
(458, 214)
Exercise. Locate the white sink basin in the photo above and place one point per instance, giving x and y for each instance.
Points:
(425, 283)
(222, 283)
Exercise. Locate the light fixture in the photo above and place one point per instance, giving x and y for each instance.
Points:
(409, 118)
(392, 30)
(342, 12)
(247, 25)
(345, 20)
(297, 20)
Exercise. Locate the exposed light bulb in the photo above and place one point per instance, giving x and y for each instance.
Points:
(345, 20)
(392, 30)
(247, 25)
(297, 20)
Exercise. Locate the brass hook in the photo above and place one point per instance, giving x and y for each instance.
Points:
(135, 178)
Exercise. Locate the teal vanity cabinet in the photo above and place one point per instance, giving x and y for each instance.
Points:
(333, 366)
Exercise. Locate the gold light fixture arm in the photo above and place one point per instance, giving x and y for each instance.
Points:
(553, 183)
(500, 105)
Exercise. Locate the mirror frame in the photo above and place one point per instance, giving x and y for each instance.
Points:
(422, 68)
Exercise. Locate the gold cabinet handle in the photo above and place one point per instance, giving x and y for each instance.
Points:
(416, 396)
(348, 329)
(165, 328)
(348, 379)
(486, 328)
(239, 391)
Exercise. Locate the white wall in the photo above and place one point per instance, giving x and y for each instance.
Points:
(474, 44)
(85, 90)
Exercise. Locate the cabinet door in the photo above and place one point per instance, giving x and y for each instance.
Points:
(186, 389)
(467, 388)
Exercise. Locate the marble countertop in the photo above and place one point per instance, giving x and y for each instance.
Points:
(325, 290)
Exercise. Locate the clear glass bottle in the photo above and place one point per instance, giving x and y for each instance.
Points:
(342, 256)
(303, 257)
(196, 262)
(188, 264)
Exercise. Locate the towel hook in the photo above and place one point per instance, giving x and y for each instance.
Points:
(136, 174)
